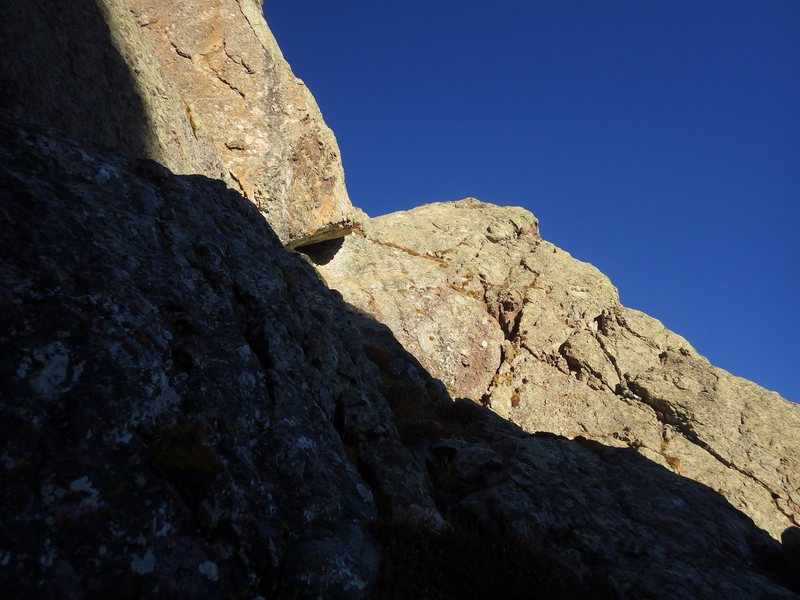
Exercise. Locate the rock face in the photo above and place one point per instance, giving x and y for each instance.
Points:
(200, 88)
(263, 121)
(505, 318)
(171, 383)
(187, 410)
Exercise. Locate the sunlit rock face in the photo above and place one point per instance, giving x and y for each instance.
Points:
(201, 88)
(512, 321)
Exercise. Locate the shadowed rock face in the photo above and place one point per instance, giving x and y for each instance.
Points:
(187, 410)
(501, 316)
(170, 382)
(87, 69)
(200, 88)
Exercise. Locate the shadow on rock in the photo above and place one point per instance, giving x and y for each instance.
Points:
(59, 66)
(188, 410)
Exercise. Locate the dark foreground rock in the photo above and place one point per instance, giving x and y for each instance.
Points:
(188, 411)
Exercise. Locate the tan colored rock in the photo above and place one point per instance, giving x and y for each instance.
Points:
(106, 86)
(436, 308)
(560, 354)
(200, 87)
(262, 120)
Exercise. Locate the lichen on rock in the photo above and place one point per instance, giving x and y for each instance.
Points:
(187, 410)
(512, 321)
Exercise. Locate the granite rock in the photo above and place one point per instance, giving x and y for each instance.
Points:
(201, 88)
(187, 410)
(507, 319)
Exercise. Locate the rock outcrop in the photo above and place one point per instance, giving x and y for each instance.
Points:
(200, 88)
(171, 382)
(187, 410)
(505, 318)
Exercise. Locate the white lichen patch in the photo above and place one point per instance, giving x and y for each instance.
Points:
(84, 485)
(51, 378)
(364, 492)
(104, 174)
(310, 514)
(168, 398)
(77, 371)
(342, 571)
(248, 382)
(209, 569)
(305, 443)
(161, 526)
(24, 365)
(143, 564)
(119, 436)
(49, 556)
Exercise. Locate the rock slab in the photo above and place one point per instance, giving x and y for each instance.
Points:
(509, 320)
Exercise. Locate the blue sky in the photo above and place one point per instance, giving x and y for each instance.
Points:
(658, 140)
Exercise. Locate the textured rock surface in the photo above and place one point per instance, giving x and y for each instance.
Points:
(88, 70)
(263, 121)
(199, 87)
(170, 382)
(188, 411)
(503, 317)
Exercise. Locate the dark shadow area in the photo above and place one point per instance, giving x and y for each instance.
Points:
(790, 544)
(322, 253)
(584, 487)
(59, 69)
(149, 289)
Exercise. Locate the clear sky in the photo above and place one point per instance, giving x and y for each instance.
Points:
(658, 140)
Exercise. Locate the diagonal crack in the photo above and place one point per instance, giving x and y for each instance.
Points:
(611, 358)
(179, 52)
(228, 83)
(667, 416)
(409, 251)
